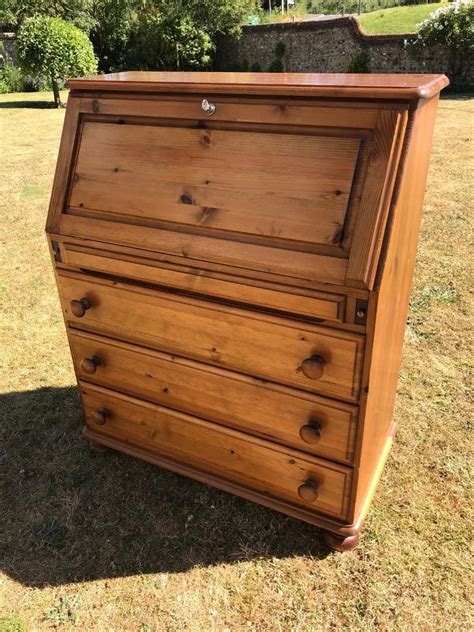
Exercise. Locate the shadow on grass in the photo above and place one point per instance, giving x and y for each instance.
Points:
(36, 105)
(70, 515)
(447, 95)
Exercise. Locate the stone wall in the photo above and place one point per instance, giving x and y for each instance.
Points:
(323, 46)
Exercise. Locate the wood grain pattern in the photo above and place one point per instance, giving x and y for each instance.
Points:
(268, 410)
(282, 186)
(64, 164)
(322, 305)
(276, 471)
(253, 190)
(241, 111)
(384, 152)
(386, 86)
(235, 286)
(257, 344)
(293, 264)
(390, 300)
(202, 268)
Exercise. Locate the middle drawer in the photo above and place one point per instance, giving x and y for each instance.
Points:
(295, 418)
(299, 354)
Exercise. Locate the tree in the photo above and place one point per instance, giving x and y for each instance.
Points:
(170, 39)
(54, 49)
(164, 34)
(78, 12)
(115, 21)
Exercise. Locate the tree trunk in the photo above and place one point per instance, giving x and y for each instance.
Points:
(57, 96)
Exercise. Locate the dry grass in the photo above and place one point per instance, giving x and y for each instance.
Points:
(116, 544)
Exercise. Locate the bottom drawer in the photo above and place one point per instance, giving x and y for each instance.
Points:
(278, 472)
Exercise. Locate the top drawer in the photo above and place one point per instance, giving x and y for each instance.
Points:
(294, 190)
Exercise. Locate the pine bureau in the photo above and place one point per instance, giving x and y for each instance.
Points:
(234, 254)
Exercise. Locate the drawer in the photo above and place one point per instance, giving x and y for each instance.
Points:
(298, 354)
(253, 463)
(302, 193)
(308, 303)
(295, 418)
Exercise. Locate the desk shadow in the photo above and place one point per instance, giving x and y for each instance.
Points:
(70, 515)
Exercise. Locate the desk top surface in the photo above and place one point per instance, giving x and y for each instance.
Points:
(380, 86)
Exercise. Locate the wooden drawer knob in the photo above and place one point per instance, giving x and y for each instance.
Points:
(100, 416)
(308, 491)
(313, 367)
(79, 308)
(311, 433)
(89, 365)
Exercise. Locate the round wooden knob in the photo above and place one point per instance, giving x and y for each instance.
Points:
(313, 367)
(308, 491)
(311, 433)
(89, 365)
(100, 416)
(79, 308)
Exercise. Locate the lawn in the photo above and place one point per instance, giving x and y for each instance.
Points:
(397, 19)
(108, 543)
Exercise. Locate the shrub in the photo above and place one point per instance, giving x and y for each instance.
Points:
(166, 40)
(13, 79)
(360, 62)
(78, 12)
(277, 64)
(54, 49)
(163, 34)
(451, 29)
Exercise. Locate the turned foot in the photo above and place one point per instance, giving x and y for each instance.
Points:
(339, 542)
(97, 448)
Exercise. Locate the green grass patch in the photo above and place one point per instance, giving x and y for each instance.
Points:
(31, 192)
(12, 623)
(397, 19)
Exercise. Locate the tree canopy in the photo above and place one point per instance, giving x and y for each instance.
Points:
(141, 34)
(53, 48)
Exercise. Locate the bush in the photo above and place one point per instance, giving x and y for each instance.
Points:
(14, 12)
(360, 62)
(54, 49)
(165, 34)
(278, 64)
(13, 79)
(451, 29)
(165, 40)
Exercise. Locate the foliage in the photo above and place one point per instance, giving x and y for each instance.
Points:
(14, 12)
(352, 6)
(296, 12)
(114, 23)
(360, 62)
(13, 79)
(170, 39)
(451, 29)
(164, 34)
(141, 34)
(12, 623)
(50, 47)
(277, 64)
(65, 611)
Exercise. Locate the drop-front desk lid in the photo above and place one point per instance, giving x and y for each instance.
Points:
(281, 177)
(389, 86)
